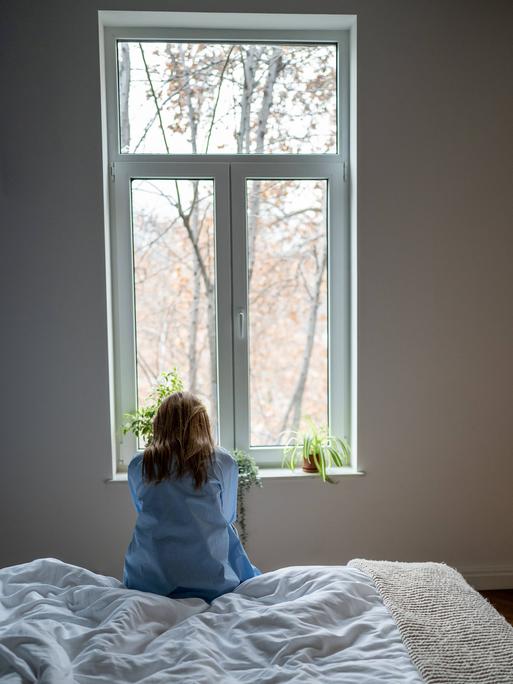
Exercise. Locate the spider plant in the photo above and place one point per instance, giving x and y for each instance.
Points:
(317, 449)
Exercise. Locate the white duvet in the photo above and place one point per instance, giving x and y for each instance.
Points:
(63, 624)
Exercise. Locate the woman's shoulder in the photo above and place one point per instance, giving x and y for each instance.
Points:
(136, 461)
(135, 465)
(223, 462)
(223, 456)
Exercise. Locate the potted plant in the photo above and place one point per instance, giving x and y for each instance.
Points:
(140, 423)
(317, 450)
(248, 477)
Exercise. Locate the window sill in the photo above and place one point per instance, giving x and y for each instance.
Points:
(274, 474)
(287, 474)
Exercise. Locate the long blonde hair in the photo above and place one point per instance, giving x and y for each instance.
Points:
(182, 441)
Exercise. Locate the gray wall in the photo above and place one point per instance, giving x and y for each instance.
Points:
(435, 209)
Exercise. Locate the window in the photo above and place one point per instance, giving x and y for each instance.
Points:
(229, 229)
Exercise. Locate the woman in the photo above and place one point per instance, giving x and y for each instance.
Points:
(184, 490)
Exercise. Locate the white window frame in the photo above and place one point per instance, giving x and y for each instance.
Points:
(229, 173)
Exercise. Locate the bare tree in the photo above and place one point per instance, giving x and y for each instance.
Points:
(186, 99)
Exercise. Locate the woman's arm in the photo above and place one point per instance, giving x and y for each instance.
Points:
(229, 482)
(134, 478)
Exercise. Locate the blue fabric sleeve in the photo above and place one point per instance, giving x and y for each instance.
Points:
(230, 478)
(133, 481)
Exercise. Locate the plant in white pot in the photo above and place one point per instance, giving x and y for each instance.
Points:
(316, 450)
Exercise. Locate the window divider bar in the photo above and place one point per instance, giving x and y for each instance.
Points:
(275, 159)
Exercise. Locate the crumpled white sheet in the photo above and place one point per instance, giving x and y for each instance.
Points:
(61, 624)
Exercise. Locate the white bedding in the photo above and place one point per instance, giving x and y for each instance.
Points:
(60, 624)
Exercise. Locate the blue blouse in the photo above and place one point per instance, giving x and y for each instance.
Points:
(183, 543)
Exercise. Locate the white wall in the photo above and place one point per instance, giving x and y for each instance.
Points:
(435, 208)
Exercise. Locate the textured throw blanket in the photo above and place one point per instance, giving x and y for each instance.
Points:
(453, 635)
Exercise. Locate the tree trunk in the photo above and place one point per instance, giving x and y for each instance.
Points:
(195, 307)
(162, 351)
(275, 66)
(296, 402)
(187, 80)
(211, 314)
(124, 94)
(196, 285)
(249, 65)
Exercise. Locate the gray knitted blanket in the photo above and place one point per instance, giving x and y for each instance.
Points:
(453, 635)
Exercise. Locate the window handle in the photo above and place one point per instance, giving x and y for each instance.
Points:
(242, 323)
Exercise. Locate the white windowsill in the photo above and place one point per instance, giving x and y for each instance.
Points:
(287, 474)
(274, 474)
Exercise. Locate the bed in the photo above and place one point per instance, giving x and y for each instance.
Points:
(358, 624)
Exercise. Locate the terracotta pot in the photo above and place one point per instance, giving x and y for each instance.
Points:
(309, 465)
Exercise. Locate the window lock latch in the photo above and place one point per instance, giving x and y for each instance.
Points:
(242, 323)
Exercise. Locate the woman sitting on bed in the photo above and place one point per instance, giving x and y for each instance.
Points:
(184, 490)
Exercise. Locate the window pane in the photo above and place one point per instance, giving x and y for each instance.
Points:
(288, 314)
(227, 98)
(173, 238)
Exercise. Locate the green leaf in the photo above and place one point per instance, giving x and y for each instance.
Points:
(140, 421)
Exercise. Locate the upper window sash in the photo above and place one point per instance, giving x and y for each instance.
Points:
(116, 80)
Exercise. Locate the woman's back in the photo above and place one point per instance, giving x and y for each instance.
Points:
(184, 544)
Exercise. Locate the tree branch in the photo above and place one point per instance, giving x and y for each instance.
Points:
(161, 125)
